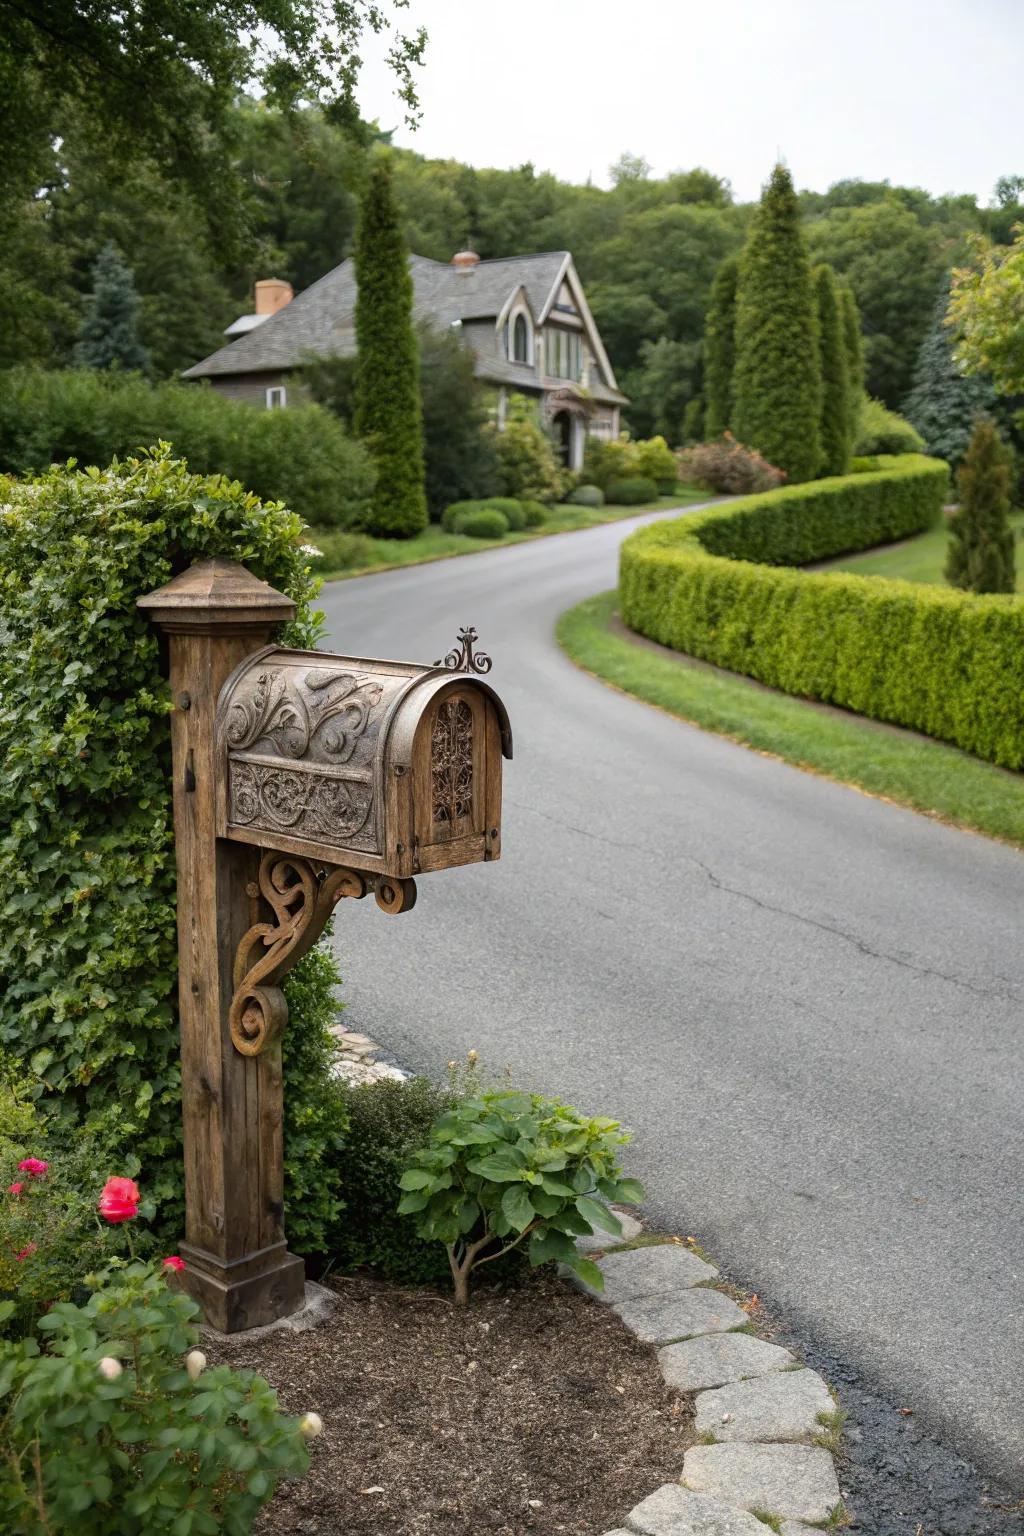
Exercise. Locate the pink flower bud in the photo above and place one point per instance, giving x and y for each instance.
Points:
(119, 1200)
(195, 1364)
(34, 1166)
(109, 1368)
(16, 1188)
(174, 1263)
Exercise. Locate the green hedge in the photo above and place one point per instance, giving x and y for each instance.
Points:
(947, 663)
(88, 945)
(302, 455)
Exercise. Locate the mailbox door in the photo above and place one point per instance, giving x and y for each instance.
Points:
(456, 773)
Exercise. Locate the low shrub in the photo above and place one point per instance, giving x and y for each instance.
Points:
(482, 523)
(302, 456)
(624, 458)
(502, 1168)
(387, 1119)
(449, 515)
(535, 514)
(511, 510)
(631, 493)
(338, 551)
(729, 468)
(109, 1421)
(884, 431)
(948, 663)
(586, 496)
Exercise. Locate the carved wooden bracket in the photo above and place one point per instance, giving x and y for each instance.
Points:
(302, 895)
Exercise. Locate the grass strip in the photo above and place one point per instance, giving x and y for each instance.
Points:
(435, 544)
(920, 559)
(926, 776)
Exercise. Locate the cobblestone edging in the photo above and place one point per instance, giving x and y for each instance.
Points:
(763, 1420)
(362, 1060)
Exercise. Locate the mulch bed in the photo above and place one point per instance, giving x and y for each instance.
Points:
(532, 1411)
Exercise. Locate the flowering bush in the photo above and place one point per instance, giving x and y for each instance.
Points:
(110, 1421)
(503, 1168)
(727, 466)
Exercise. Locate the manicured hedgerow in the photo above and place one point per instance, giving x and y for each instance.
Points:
(944, 662)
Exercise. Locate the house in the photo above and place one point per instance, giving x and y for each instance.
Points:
(526, 319)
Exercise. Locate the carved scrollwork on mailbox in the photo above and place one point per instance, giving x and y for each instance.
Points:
(380, 766)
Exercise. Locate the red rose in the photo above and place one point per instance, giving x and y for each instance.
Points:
(25, 1252)
(173, 1262)
(34, 1166)
(15, 1188)
(119, 1200)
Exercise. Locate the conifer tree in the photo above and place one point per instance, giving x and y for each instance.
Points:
(980, 557)
(720, 349)
(777, 377)
(388, 413)
(943, 402)
(109, 333)
(854, 339)
(835, 375)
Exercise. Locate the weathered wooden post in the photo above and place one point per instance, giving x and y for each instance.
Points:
(300, 778)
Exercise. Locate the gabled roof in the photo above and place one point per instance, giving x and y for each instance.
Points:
(321, 320)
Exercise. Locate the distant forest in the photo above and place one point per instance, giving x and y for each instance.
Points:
(646, 248)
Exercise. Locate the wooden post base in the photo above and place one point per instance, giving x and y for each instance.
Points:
(247, 1292)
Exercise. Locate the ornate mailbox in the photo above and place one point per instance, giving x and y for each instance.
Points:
(300, 778)
(384, 766)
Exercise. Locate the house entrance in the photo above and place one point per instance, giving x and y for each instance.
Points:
(565, 439)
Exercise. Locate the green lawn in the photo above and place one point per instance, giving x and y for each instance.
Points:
(920, 559)
(348, 554)
(927, 776)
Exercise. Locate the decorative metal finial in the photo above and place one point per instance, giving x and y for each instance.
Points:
(462, 659)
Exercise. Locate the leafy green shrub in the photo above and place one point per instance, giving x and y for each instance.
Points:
(653, 459)
(586, 496)
(883, 431)
(110, 1421)
(511, 510)
(387, 1119)
(727, 467)
(501, 1167)
(535, 514)
(450, 514)
(527, 468)
(631, 493)
(339, 551)
(302, 456)
(948, 663)
(88, 947)
(482, 523)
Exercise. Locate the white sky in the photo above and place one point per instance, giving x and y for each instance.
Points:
(922, 92)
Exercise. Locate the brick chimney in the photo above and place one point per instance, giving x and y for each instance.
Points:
(271, 294)
(465, 261)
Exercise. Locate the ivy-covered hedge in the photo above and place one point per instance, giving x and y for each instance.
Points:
(718, 585)
(87, 879)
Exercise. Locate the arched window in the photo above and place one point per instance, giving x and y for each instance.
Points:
(520, 340)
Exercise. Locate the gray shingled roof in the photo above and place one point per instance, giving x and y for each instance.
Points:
(321, 320)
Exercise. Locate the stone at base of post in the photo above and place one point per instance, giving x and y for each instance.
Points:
(248, 1292)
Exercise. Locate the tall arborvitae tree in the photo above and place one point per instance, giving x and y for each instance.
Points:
(854, 339)
(720, 349)
(835, 375)
(388, 413)
(980, 557)
(109, 333)
(943, 402)
(777, 377)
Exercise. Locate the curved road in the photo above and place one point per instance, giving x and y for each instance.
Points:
(805, 1002)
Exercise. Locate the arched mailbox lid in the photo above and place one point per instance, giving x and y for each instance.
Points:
(386, 766)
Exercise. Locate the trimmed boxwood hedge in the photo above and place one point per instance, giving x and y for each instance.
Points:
(717, 585)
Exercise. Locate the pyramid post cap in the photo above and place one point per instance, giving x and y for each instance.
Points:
(214, 594)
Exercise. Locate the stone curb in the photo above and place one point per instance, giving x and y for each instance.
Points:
(760, 1414)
